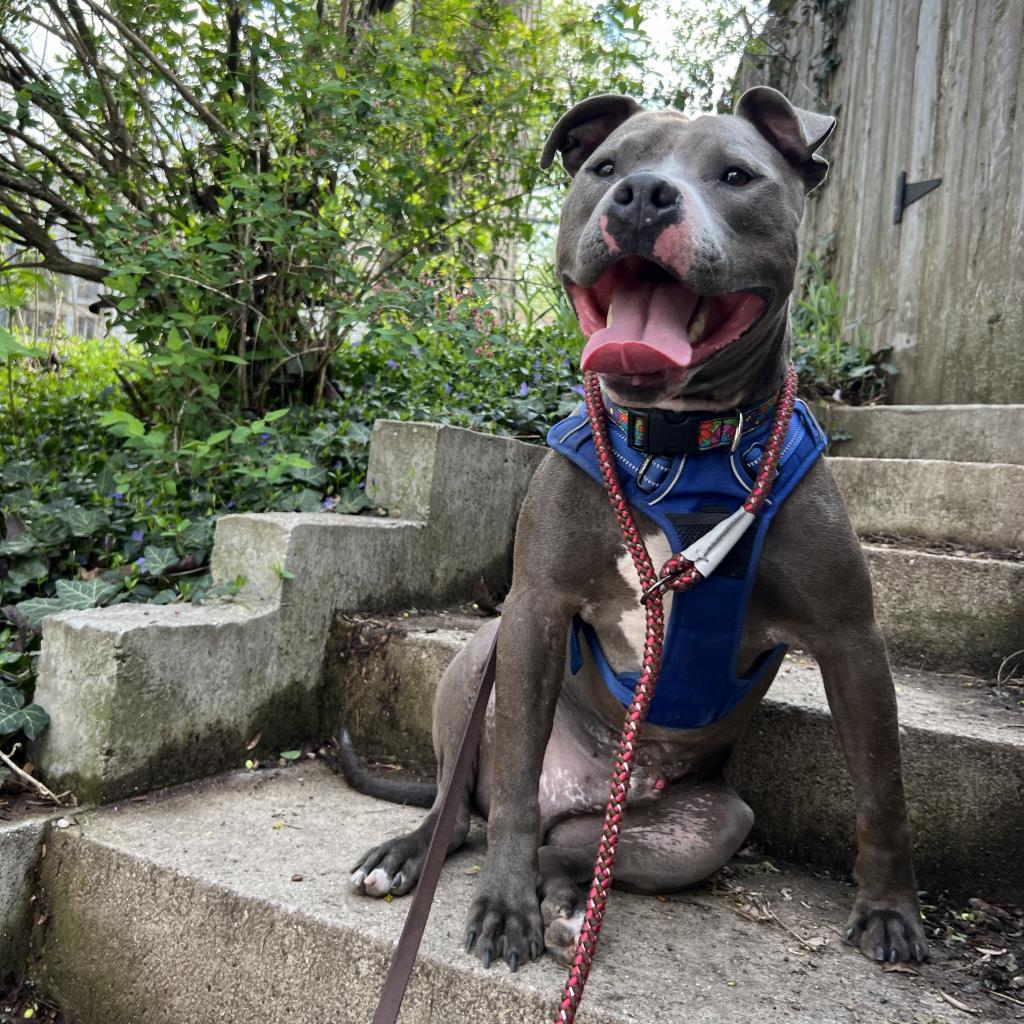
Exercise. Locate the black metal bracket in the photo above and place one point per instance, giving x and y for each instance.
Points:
(910, 193)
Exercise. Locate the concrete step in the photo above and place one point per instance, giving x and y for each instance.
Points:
(948, 613)
(963, 744)
(977, 504)
(960, 433)
(228, 903)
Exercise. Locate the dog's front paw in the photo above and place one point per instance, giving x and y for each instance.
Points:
(501, 925)
(887, 930)
(392, 868)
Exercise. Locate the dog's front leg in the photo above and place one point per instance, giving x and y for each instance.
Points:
(505, 919)
(886, 919)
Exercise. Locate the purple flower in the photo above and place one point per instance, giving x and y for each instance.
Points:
(329, 503)
(263, 439)
(361, 485)
(391, 364)
(141, 560)
(447, 389)
(137, 536)
(230, 504)
(523, 389)
(118, 495)
(578, 388)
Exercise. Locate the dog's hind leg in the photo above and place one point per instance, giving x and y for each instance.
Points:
(665, 846)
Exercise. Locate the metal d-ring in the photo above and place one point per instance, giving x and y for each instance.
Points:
(739, 432)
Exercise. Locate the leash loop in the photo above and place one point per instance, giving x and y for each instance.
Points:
(678, 574)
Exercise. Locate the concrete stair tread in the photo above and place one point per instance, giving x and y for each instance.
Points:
(951, 704)
(980, 433)
(183, 907)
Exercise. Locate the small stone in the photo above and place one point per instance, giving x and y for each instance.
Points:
(297, 878)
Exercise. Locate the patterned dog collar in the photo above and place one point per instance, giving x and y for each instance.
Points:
(662, 432)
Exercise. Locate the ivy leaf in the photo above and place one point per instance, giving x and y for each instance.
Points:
(83, 522)
(35, 609)
(11, 699)
(81, 594)
(27, 570)
(33, 721)
(21, 545)
(158, 560)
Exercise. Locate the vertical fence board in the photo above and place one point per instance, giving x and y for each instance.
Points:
(933, 88)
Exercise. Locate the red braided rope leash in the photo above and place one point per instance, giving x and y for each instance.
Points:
(678, 574)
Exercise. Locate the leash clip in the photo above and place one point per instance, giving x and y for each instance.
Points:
(660, 585)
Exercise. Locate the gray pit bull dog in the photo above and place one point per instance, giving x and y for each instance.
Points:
(686, 231)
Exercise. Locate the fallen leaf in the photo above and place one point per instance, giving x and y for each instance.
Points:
(900, 969)
(253, 743)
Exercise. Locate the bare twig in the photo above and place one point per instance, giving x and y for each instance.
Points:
(22, 774)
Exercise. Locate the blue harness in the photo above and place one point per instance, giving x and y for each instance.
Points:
(686, 495)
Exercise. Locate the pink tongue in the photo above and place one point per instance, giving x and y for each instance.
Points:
(648, 331)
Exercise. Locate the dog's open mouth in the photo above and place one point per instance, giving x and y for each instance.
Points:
(639, 319)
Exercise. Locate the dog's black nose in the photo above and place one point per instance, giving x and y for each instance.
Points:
(645, 200)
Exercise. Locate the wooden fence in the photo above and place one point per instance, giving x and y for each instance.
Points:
(932, 88)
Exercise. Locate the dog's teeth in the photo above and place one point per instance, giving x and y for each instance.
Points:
(697, 324)
(608, 322)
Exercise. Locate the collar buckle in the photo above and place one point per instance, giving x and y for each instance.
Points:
(663, 432)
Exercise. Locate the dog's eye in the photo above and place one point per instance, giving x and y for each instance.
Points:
(605, 169)
(736, 176)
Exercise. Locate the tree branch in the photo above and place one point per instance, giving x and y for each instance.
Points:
(209, 118)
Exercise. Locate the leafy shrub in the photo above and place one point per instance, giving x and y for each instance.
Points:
(833, 355)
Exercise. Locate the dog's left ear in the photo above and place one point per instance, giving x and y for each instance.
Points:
(580, 131)
(795, 133)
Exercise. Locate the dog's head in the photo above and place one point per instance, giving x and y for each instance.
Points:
(678, 243)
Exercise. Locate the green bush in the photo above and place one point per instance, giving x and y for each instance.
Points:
(99, 509)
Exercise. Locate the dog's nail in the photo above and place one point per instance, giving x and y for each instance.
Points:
(487, 959)
(850, 932)
(892, 957)
(879, 953)
(470, 940)
(396, 882)
(358, 878)
(919, 953)
(534, 949)
(513, 962)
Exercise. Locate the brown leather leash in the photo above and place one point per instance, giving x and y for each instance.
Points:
(397, 979)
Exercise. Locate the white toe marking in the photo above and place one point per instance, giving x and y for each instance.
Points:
(378, 882)
(357, 878)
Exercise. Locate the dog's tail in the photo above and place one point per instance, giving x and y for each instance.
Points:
(416, 794)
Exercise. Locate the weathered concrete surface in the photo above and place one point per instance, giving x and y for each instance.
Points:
(964, 754)
(959, 433)
(972, 503)
(948, 613)
(19, 852)
(144, 696)
(186, 910)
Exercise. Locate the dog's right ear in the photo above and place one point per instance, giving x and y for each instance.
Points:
(580, 131)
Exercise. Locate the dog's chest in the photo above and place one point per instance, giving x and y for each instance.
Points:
(620, 617)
